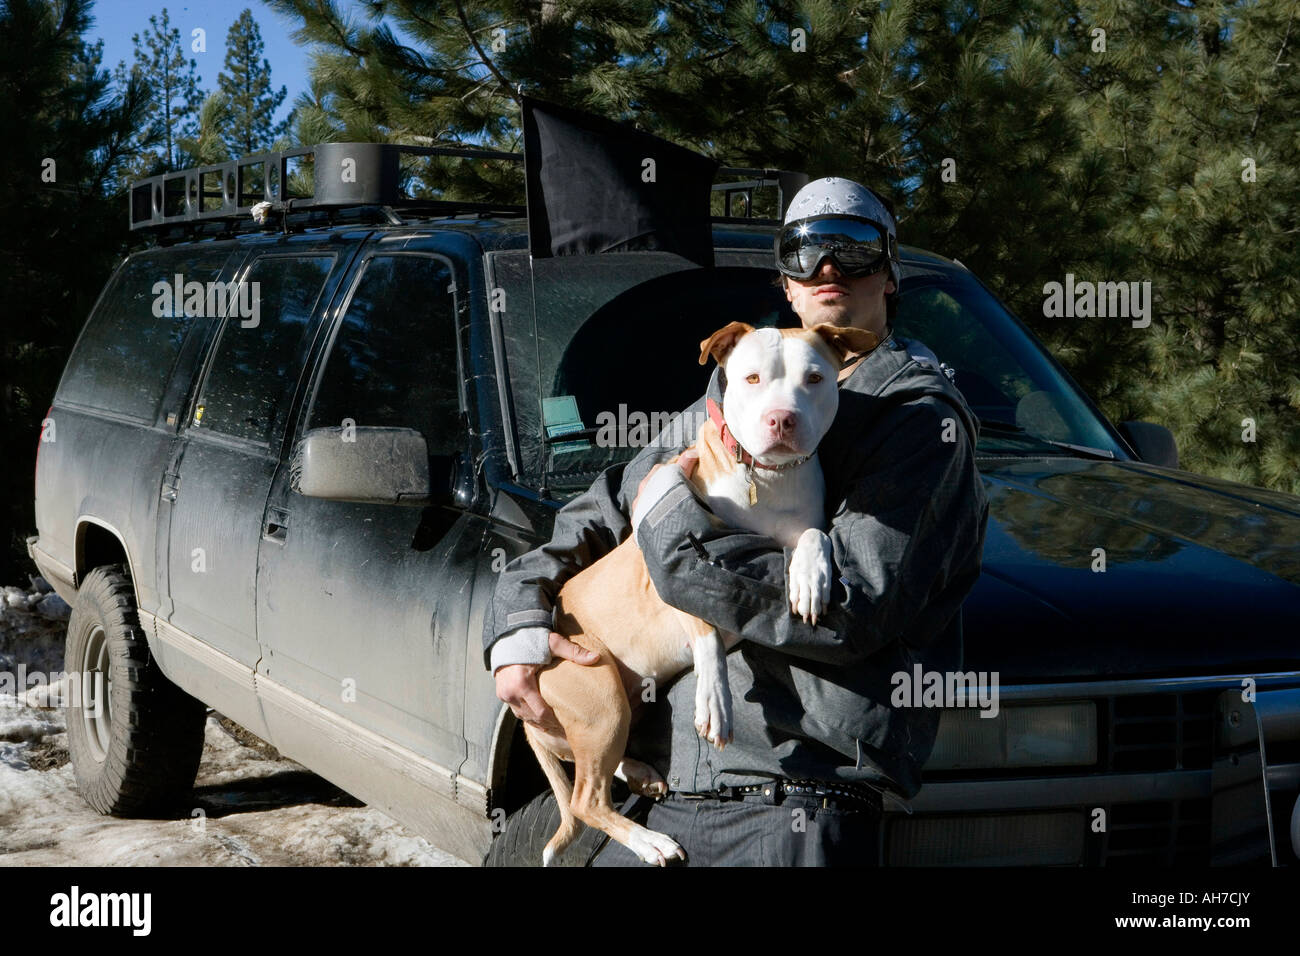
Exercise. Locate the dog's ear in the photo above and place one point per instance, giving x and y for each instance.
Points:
(721, 342)
(845, 340)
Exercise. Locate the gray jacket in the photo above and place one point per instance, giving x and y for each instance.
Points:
(906, 514)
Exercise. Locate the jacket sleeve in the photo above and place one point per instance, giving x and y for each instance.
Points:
(586, 529)
(907, 541)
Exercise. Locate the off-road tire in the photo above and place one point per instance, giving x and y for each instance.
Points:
(141, 755)
(527, 831)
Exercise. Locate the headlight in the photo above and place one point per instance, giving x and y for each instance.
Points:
(1043, 735)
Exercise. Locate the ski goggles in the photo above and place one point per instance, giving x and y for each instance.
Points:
(857, 246)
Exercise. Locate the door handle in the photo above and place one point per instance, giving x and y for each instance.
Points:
(276, 526)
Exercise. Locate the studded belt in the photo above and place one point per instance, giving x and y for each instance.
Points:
(841, 793)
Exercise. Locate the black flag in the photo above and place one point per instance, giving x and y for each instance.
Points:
(598, 186)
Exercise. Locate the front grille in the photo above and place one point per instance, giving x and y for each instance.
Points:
(1164, 833)
(1153, 732)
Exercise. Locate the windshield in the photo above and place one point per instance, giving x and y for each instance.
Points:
(613, 350)
(1003, 373)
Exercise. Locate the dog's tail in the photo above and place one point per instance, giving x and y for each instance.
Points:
(553, 767)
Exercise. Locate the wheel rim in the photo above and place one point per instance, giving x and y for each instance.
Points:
(97, 695)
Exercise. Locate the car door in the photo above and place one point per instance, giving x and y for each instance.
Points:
(227, 452)
(360, 605)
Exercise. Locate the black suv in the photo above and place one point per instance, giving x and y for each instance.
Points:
(285, 462)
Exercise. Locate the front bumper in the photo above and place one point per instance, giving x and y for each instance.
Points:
(1200, 776)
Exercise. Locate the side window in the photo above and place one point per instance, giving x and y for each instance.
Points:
(125, 354)
(258, 341)
(393, 361)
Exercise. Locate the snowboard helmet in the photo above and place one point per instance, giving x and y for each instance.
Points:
(843, 220)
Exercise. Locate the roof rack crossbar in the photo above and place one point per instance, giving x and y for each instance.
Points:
(787, 183)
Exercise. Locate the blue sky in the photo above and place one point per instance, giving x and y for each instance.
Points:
(117, 20)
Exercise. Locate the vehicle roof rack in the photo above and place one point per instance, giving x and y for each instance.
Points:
(787, 183)
(370, 175)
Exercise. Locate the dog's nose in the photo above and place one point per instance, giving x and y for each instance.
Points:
(781, 422)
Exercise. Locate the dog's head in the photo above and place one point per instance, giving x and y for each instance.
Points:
(781, 395)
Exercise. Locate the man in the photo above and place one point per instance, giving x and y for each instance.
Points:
(816, 739)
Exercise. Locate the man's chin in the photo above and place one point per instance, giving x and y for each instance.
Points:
(840, 307)
(841, 320)
(838, 313)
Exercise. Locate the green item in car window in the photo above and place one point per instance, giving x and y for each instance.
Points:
(560, 416)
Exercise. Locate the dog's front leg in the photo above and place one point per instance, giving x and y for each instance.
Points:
(810, 574)
(712, 690)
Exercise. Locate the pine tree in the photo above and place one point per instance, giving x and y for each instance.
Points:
(66, 137)
(1195, 106)
(1011, 176)
(208, 146)
(249, 101)
(161, 66)
(458, 82)
(728, 79)
(1221, 238)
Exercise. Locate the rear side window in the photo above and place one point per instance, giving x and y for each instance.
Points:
(251, 362)
(393, 362)
(125, 355)
(582, 361)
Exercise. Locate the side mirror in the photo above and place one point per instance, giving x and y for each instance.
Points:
(453, 480)
(374, 465)
(1154, 443)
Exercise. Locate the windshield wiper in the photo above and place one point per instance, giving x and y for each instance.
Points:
(1007, 429)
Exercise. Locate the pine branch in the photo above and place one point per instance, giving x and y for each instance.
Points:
(1276, 61)
(322, 7)
(487, 61)
(719, 53)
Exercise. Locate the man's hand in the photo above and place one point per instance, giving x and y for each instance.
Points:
(517, 684)
(687, 461)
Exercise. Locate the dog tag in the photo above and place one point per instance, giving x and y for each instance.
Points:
(753, 491)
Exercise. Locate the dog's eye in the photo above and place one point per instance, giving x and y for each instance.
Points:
(752, 378)
(814, 378)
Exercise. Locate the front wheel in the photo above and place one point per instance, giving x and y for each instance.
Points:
(527, 831)
(134, 737)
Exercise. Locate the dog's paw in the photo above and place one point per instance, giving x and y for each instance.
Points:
(654, 847)
(810, 575)
(713, 710)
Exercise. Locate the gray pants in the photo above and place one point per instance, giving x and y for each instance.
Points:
(799, 831)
